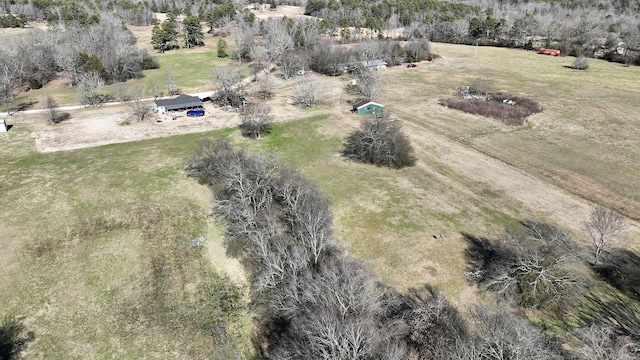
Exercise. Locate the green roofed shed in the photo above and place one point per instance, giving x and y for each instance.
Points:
(366, 107)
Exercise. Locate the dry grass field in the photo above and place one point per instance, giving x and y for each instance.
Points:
(85, 229)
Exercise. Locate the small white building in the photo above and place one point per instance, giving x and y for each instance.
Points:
(374, 64)
(3, 126)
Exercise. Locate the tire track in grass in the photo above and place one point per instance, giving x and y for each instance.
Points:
(540, 197)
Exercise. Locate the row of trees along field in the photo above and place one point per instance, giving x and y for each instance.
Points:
(575, 26)
(87, 56)
(98, 49)
(311, 300)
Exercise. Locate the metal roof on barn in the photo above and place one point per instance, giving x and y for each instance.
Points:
(364, 103)
(181, 102)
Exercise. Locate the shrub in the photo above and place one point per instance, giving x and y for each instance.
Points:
(379, 141)
(580, 63)
(34, 84)
(149, 62)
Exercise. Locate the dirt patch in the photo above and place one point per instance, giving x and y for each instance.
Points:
(103, 125)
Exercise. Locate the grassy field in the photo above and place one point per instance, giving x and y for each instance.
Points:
(192, 70)
(585, 139)
(96, 252)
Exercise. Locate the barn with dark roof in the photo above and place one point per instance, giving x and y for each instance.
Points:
(179, 103)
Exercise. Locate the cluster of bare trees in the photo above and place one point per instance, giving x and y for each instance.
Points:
(73, 12)
(533, 267)
(315, 302)
(312, 300)
(542, 267)
(88, 57)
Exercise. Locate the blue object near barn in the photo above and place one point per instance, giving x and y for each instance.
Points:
(196, 112)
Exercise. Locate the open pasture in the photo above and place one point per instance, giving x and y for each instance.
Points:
(90, 236)
(585, 140)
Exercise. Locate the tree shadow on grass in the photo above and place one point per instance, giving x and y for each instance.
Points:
(609, 307)
(58, 118)
(14, 337)
(620, 268)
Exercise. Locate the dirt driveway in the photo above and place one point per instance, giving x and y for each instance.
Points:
(103, 125)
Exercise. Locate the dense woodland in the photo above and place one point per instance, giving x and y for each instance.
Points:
(310, 299)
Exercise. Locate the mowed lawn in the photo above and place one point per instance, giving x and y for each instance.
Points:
(585, 140)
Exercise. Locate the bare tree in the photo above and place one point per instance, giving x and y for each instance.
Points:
(140, 109)
(244, 36)
(256, 120)
(550, 29)
(369, 84)
(332, 309)
(307, 210)
(155, 87)
(278, 40)
(370, 50)
(502, 335)
(418, 50)
(605, 343)
(121, 92)
(433, 324)
(10, 79)
(90, 89)
(171, 81)
(308, 91)
(292, 62)
(227, 78)
(604, 227)
(307, 33)
(531, 267)
(330, 59)
(51, 111)
(266, 86)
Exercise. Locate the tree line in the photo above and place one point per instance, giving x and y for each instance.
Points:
(310, 299)
(575, 27)
(88, 57)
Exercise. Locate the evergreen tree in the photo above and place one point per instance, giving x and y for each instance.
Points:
(222, 48)
(193, 35)
(162, 35)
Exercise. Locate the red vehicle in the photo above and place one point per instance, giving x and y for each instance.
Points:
(412, 65)
(552, 52)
